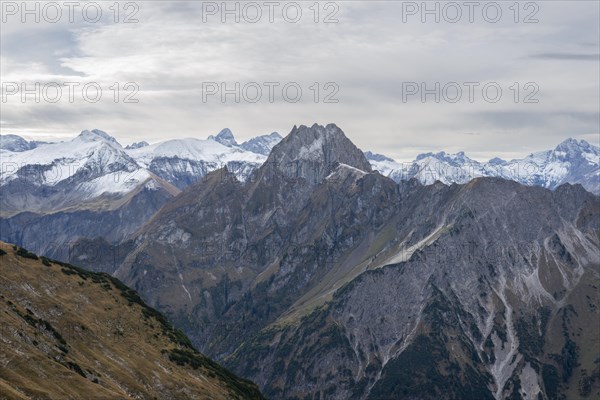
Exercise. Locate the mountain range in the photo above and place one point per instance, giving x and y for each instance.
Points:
(184, 161)
(572, 161)
(59, 191)
(325, 272)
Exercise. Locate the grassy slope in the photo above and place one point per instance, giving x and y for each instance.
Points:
(69, 333)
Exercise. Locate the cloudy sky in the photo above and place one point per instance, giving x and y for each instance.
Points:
(362, 65)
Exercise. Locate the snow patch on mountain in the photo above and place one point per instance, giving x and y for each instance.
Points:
(115, 183)
(90, 165)
(262, 144)
(136, 145)
(97, 134)
(184, 161)
(194, 149)
(571, 161)
(62, 160)
(14, 143)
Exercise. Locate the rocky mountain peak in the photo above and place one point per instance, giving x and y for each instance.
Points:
(314, 152)
(573, 147)
(137, 145)
(225, 137)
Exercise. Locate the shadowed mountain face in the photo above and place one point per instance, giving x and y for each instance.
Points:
(318, 278)
(496, 298)
(70, 333)
(56, 193)
(91, 188)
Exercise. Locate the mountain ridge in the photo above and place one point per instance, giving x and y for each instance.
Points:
(96, 340)
(265, 263)
(571, 161)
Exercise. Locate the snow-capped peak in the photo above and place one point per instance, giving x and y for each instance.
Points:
(572, 161)
(262, 144)
(96, 135)
(449, 158)
(573, 147)
(15, 143)
(225, 137)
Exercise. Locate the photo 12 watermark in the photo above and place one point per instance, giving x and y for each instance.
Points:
(453, 12)
(253, 12)
(71, 92)
(53, 12)
(271, 92)
(454, 92)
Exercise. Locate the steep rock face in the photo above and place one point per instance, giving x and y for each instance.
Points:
(319, 278)
(497, 304)
(312, 153)
(71, 333)
(225, 137)
(221, 238)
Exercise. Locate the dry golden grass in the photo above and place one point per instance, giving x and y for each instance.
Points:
(67, 333)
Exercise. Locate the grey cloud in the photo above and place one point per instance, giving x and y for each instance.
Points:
(520, 119)
(567, 56)
(369, 53)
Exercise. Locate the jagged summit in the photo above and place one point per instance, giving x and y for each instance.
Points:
(313, 153)
(225, 137)
(137, 145)
(573, 146)
(324, 144)
(262, 144)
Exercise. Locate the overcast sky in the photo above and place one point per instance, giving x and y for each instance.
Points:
(370, 61)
